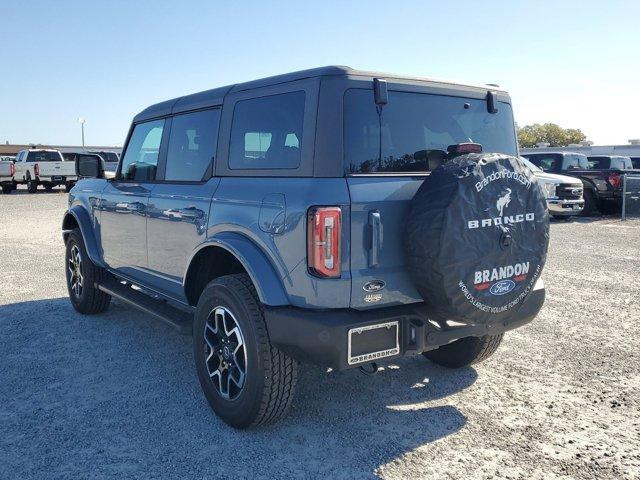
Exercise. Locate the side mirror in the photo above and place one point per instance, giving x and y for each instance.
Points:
(89, 166)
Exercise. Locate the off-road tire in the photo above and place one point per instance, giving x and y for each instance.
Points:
(465, 351)
(32, 185)
(48, 187)
(590, 204)
(7, 188)
(91, 300)
(270, 374)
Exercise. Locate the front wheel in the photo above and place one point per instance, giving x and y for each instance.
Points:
(465, 351)
(7, 188)
(246, 380)
(82, 276)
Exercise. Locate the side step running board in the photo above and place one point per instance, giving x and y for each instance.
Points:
(161, 310)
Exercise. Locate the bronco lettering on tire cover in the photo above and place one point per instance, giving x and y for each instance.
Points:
(476, 237)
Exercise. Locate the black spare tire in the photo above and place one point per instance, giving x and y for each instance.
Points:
(476, 238)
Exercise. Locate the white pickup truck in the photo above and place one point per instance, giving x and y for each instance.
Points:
(44, 167)
(565, 195)
(7, 169)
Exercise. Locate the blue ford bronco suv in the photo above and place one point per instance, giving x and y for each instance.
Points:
(328, 216)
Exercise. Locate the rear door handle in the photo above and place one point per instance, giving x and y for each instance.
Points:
(375, 225)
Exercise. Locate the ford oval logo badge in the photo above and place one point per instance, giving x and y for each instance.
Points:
(373, 286)
(502, 287)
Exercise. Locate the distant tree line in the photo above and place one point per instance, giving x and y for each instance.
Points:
(554, 135)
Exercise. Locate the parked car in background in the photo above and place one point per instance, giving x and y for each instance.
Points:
(602, 188)
(613, 162)
(564, 194)
(44, 167)
(110, 161)
(252, 216)
(7, 171)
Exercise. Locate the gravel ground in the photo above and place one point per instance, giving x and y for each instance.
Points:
(116, 394)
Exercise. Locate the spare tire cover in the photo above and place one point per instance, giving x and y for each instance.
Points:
(476, 238)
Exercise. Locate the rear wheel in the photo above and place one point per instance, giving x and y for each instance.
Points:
(32, 185)
(82, 276)
(246, 380)
(68, 187)
(465, 351)
(48, 187)
(7, 188)
(590, 203)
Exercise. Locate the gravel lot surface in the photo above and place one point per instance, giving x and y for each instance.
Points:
(116, 395)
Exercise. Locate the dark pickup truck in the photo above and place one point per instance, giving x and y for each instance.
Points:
(601, 176)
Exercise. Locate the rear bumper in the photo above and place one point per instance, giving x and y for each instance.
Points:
(321, 337)
(58, 180)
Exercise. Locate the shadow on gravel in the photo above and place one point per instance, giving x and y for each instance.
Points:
(116, 394)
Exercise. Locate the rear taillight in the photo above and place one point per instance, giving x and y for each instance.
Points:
(615, 180)
(324, 227)
(12, 170)
(36, 169)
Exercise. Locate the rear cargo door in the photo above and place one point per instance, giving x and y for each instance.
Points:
(389, 148)
(379, 205)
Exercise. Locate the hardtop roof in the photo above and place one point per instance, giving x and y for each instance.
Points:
(216, 96)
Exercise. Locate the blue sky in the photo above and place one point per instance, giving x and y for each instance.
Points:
(573, 63)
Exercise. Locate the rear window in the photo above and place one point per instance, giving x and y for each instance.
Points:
(412, 132)
(599, 163)
(575, 162)
(635, 161)
(266, 132)
(108, 156)
(44, 157)
(549, 162)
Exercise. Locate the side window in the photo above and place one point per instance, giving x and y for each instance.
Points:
(546, 163)
(141, 158)
(266, 132)
(192, 145)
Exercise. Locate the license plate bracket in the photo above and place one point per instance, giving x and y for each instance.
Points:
(373, 342)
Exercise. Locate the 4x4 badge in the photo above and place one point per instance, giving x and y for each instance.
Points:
(373, 286)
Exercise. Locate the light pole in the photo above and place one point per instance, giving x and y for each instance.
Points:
(82, 120)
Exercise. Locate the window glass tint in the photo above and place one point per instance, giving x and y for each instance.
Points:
(412, 132)
(266, 132)
(192, 145)
(574, 162)
(635, 161)
(621, 163)
(141, 158)
(43, 157)
(549, 162)
(598, 163)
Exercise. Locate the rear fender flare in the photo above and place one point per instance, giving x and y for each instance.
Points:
(264, 276)
(83, 220)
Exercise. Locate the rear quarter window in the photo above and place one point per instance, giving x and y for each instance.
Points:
(266, 132)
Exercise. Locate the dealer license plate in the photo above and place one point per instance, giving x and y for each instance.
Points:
(370, 343)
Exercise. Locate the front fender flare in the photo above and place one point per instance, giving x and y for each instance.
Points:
(83, 220)
(264, 276)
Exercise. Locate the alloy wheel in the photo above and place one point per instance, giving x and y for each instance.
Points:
(226, 353)
(75, 270)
